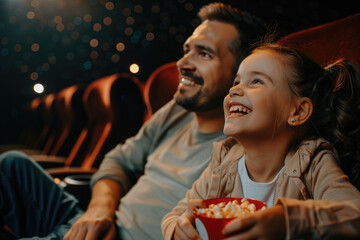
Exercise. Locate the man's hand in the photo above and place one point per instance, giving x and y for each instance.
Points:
(267, 224)
(98, 220)
(185, 224)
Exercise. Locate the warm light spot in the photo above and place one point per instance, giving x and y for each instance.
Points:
(35, 47)
(5, 40)
(57, 180)
(12, 19)
(134, 68)
(51, 23)
(94, 42)
(60, 27)
(94, 54)
(115, 58)
(24, 68)
(128, 31)
(45, 67)
(109, 6)
(35, 3)
(120, 46)
(126, 12)
(97, 27)
(138, 8)
(130, 20)
(150, 36)
(61, 4)
(52, 59)
(75, 35)
(34, 76)
(189, 7)
(155, 9)
(87, 17)
(38, 88)
(30, 15)
(17, 47)
(107, 20)
(57, 19)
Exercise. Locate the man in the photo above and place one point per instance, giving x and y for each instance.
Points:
(144, 178)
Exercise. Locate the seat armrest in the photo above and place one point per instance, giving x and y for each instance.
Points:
(47, 161)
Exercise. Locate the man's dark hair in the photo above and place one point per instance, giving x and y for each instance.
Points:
(250, 28)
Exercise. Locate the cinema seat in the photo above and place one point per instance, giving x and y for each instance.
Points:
(160, 87)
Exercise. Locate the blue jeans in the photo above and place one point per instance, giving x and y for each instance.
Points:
(31, 204)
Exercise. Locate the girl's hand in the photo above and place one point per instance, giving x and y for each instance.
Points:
(266, 224)
(184, 228)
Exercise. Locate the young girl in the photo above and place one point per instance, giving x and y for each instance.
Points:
(281, 114)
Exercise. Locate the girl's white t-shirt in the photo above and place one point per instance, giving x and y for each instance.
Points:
(261, 191)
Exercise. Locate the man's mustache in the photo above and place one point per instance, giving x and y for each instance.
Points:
(197, 79)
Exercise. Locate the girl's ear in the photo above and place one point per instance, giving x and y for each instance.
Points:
(301, 112)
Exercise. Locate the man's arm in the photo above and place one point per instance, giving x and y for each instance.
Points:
(98, 220)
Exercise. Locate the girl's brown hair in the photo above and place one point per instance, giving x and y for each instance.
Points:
(335, 94)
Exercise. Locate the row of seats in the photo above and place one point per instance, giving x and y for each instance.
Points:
(70, 132)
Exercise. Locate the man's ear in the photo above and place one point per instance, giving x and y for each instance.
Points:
(301, 112)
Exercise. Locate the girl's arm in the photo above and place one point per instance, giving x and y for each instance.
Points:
(334, 211)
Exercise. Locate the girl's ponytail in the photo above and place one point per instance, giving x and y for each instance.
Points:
(344, 104)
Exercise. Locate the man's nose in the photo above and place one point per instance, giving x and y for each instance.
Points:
(185, 63)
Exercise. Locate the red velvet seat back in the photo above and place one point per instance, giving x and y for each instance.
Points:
(71, 116)
(160, 87)
(329, 42)
(115, 111)
(45, 109)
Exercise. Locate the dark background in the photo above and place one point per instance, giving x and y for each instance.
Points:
(48, 41)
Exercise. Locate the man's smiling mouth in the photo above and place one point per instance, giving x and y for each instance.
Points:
(188, 82)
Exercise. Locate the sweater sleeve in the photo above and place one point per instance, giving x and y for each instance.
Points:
(125, 163)
(334, 211)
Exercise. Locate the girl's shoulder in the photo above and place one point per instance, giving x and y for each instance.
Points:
(309, 153)
(227, 150)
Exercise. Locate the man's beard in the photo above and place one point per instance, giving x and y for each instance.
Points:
(194, 103)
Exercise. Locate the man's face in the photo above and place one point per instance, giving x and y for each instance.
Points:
(207, 67)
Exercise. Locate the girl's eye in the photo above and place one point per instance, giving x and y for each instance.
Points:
(257, 81)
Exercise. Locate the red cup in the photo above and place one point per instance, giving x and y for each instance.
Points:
(211, 228)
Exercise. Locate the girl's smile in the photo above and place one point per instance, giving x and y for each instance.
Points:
(260, 98)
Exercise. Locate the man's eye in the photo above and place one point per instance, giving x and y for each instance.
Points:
(204, 54)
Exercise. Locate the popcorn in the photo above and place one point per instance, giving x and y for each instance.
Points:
(231, 209)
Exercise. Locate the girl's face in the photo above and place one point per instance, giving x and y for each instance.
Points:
(258, 104)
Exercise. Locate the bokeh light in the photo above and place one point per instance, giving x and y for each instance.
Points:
(120, 46)
(134, 68)
(38, 88)
(35, 47)
(94, 42)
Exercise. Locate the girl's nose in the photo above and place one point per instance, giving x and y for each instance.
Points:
(236, 91)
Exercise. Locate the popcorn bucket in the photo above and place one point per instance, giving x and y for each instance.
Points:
(210, 228)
